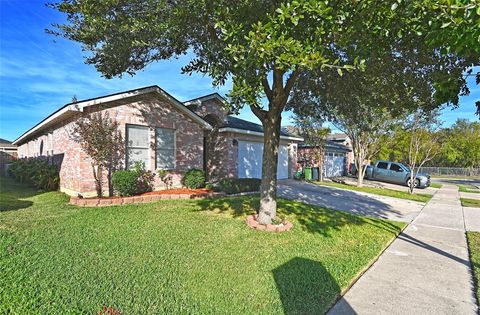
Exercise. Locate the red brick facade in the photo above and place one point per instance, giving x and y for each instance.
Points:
(148, 110)
(153, 109)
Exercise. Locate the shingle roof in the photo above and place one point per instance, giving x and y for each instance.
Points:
(6, 144)
(329, 144)
(238, 123)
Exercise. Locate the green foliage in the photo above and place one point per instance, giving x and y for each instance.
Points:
(125, 182)
(238, 185)
(137, 253)
(194, 179)
(134, 181)
(36, 172)
(459, 145)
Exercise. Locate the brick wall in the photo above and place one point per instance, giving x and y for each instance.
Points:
(76, 175)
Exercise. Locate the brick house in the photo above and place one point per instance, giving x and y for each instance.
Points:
(160, 131)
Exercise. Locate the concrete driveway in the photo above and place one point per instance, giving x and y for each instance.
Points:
(351, 201)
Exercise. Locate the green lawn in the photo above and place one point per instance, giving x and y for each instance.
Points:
(475, 203)
(474, 249)
(171, 257)
(380, 191)
(435, 185)
(468, 188)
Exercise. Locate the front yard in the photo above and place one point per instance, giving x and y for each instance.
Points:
(170, 257)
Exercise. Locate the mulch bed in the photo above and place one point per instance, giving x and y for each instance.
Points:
(176, 193)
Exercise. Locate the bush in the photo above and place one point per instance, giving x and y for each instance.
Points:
(194, 179)
(125, 182)
(36, 172)
(134, 181)
(238, 185)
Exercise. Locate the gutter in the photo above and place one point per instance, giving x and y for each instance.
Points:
(256, 133)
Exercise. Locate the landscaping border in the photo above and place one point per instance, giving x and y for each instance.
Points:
(115, 201)
(252, 223)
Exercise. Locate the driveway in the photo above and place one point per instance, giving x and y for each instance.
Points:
(374, 183)
(351, 201)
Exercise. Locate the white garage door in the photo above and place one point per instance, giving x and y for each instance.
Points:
(250, 160)
(334, 164)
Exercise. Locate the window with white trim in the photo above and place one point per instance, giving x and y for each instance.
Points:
(137, 145)
(166, 151)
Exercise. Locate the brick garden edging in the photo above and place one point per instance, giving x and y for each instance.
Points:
(252, 223)
(100, 202)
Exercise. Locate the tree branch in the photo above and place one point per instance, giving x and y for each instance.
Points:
(267, 89)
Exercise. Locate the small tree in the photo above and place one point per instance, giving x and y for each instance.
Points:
(101, 139)
(315, 135)
(423, 145)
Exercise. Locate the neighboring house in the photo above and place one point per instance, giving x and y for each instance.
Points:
(162, 132)
(8, 153)
(335, 159)
(342, 138)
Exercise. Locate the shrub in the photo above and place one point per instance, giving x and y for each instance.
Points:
(36, 172)
(134, 181)
(238, 185)
(194, 179)
(125, 182)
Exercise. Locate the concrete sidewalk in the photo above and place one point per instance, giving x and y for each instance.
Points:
(426, 270)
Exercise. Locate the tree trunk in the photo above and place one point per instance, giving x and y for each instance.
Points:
(268, 187)
(97, 175)
(110, 185)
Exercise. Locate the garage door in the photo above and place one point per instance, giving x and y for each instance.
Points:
(250, 160)
(334, 164)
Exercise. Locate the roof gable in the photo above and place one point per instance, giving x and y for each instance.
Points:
(71, 108)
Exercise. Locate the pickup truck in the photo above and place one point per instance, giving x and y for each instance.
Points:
(397, 173)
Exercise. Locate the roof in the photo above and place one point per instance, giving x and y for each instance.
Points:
(71, 108)
(236, 124)
(329, 144)
(232, 124)
(206, 98)
(337, 137)
(6, 143)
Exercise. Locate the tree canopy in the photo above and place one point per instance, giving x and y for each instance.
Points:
(262, 46)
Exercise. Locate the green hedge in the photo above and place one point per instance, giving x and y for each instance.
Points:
(238, 185)
(132, 182)
(36, 172)
(194, 179)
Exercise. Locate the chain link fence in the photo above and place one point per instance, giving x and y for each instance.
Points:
(451, 171)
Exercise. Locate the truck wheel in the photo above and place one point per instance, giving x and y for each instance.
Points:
(416, 183)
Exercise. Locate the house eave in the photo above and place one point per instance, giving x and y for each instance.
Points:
(68, 109)
(256, 133)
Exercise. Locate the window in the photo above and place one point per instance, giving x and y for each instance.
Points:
(165, 148)
(382, 165)
(137, 145)
(396, 168)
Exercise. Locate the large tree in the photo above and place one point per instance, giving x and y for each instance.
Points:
(262, 46)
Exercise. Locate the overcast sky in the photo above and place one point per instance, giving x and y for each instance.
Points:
(40, 73)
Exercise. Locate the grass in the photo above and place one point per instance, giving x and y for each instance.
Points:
(468, 188)
(474, 249)
(474, 203)
(435, 185)
(188, 256)
(380, 191)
